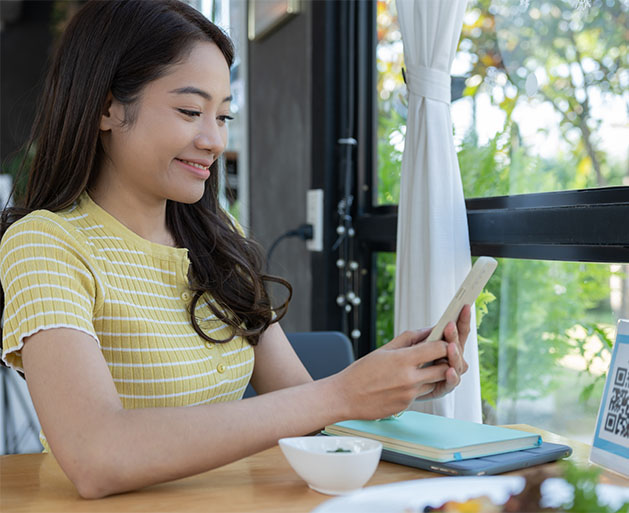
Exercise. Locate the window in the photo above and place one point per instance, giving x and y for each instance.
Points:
(234, 178)
(540, 114)
(391, 100)
(546, 328)
(551, 82)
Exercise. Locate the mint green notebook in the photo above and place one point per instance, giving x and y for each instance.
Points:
(437, 438)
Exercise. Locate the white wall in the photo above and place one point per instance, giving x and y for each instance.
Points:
(19, 426)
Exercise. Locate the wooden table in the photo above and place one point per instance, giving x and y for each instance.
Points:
(263, 482)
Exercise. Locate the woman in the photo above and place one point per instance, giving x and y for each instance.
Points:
(134, 307)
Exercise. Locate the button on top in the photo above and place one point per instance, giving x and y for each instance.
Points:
(208, 344)
(221, 368)
(186, 296)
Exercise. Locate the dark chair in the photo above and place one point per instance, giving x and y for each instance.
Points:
(323, 353)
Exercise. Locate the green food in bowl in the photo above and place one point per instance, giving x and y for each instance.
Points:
(341, 450)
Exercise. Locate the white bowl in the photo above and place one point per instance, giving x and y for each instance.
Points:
(326, 471)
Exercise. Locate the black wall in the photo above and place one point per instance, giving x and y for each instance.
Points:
(25, 42)
(280, 122)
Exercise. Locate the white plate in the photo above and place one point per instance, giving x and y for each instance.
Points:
(414, 496)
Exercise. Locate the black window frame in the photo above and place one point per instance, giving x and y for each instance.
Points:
(590, 225)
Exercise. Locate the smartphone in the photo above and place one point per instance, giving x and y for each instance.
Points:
(469, 290)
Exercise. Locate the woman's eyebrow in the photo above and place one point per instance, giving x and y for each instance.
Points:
(200, 92)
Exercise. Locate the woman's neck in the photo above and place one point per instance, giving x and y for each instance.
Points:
(142, 214)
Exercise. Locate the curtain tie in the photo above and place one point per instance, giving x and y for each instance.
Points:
(429, 83)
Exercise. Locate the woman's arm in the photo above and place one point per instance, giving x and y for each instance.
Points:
(277, 365)
(105, 449)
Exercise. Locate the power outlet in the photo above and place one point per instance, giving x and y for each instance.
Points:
(314, 216)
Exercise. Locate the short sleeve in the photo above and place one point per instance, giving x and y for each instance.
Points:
(47, 282)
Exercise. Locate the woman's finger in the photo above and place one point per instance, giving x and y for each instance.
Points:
(455, 354)
(453, 378)
(428, 352)
(423, 333)
(432, 374)
(407, 338)
(451, 333)
(451, 381)
(430, 380)
(463, 325)
(455, 358)
(427, 389)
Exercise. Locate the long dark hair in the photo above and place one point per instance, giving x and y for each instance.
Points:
(121, 46)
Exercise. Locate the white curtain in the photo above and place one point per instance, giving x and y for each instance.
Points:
(433, 253)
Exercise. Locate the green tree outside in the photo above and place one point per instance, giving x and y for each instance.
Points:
(535, 316)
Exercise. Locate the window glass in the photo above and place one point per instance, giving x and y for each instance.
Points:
(233, 178)
(545, 103)
(385, 296)
(391, 104)
(545, 335)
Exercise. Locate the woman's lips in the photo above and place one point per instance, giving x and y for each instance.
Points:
(196, 168)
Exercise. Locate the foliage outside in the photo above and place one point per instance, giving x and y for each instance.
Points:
(551, 326)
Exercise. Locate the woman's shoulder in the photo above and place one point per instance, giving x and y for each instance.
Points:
(42, 225)
(35, 221)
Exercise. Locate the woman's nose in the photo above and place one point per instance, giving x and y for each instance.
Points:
(211, 138)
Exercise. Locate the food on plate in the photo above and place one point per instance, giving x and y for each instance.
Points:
(529, 500)
(477, 505)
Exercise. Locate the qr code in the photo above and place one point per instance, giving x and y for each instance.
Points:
(617, 420)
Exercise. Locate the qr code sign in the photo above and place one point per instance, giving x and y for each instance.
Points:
(617, 420)
(610, 447)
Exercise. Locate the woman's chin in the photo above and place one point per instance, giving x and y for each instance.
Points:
(188, 196)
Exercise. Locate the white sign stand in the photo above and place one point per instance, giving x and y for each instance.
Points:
(610, 448)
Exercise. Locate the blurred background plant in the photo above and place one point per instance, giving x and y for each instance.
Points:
(17, 167)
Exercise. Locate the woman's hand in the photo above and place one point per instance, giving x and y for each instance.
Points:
(387, 380)
(456, 336)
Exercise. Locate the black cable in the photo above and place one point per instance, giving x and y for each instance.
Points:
(304, 232)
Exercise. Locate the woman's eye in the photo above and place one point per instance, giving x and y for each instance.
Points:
(225, 118)
(190, 113)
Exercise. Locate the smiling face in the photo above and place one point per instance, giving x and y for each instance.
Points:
(179, 130)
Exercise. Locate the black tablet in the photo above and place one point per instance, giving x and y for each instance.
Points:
(487, 465)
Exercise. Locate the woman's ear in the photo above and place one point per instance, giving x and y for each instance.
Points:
(109, 117)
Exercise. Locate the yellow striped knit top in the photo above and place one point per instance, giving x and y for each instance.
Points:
(81, 268)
